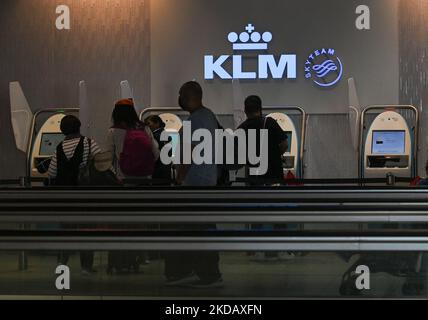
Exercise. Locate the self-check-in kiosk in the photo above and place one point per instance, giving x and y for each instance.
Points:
(288, 120)
(170, 116)
(293, 122)
(43, 143)
(388, 146)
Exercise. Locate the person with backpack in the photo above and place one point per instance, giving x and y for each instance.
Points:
(69, 162)
(135, 152)
(132, 143)
(277, 146)
(72, 155)
(278, 140)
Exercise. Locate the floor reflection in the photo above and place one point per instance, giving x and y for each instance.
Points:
(312, 275)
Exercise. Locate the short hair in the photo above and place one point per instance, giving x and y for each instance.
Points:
(156, 119)
(192, 89)
(70, 125)
(253, 104)
(124, 113)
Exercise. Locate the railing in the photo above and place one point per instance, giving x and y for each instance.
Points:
(222, 206)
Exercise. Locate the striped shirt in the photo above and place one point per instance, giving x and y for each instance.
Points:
(69, 147)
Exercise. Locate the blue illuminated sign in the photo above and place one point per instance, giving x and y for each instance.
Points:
(268, 65)
(324, 68)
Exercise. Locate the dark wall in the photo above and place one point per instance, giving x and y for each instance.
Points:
(109, 41)
(298, 26)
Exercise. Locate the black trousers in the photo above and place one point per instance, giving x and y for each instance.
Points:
(205, 264)
(86, 259)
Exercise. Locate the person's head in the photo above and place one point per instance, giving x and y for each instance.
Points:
(154, 122)
(124, 114)
(253, 106)
(70, 125)
(190, 96)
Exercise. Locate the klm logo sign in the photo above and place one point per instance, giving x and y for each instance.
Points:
(269, 66)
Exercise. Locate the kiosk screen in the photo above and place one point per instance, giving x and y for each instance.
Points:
(389, 142)
(174, 137)
(49, 143)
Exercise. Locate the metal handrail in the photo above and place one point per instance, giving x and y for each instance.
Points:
(132, 207)
(214, 206)
(223, 244)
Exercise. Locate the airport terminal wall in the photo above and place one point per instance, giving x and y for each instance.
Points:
(298, 27)
(109, 41)
(156, 46)
(300, 238)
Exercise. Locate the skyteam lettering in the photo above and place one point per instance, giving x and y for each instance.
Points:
(324, 67)
(268, 65)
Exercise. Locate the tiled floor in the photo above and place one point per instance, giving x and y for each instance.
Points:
(314, 275)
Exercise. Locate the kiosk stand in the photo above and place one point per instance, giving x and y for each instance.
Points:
(42, 144)
(169, 115)
(296, 133)
(389, 147)
(293, 158)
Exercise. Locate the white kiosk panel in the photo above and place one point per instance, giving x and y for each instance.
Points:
(45, 144)
(388, 147)
(173, 122)
(173, 125)
(290, 158)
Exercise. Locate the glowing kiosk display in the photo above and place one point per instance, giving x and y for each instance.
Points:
(39, 144)
(43, 143)
(389, 145)
(293, 158)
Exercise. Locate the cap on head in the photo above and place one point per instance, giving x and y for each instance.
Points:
(124, 114)
(125, 102)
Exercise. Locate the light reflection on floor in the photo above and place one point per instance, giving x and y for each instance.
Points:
(314, 275)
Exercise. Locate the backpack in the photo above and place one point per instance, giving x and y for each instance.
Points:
(69, 169)
(137, 159)
(91, 176)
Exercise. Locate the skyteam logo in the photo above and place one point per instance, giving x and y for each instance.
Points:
(324, 68)
(268, 65)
